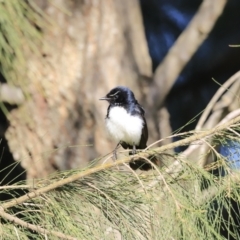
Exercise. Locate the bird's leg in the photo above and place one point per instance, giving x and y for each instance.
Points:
(134, 149)
(115, 151)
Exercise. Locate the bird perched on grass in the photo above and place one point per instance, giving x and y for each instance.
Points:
(126, 124)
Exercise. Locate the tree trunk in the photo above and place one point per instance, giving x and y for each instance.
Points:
(89, 47)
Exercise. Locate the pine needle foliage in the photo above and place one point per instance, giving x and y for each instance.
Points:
(20, 32)
(104, 202)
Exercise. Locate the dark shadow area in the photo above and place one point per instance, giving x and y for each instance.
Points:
(10, 171)
(229, 216)
(164, 20)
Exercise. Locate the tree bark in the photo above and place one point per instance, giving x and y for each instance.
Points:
(89, 47)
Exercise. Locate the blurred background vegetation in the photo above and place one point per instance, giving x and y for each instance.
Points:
(59, 57)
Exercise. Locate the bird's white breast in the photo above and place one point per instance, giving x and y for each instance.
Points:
(124, 127)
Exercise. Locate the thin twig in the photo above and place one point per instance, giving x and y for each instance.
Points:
(15, 187)
(170, 137)
(15, 229)
(231, 130)
(137, 177)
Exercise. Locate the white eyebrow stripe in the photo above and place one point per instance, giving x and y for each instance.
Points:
(114, 94)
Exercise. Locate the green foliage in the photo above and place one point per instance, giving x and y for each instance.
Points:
(19, 33)
(122, 204)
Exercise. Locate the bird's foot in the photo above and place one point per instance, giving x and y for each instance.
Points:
(133, 152)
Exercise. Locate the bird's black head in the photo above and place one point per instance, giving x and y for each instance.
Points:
(120, 96)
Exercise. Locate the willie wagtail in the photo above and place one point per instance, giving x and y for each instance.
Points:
(126, 123)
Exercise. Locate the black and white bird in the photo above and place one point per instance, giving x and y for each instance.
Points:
(126, 123)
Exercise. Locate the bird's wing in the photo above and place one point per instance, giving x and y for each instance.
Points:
(144, 137)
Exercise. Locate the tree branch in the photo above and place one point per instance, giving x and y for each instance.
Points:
(217, 95)
(183, 49)
(232, 115)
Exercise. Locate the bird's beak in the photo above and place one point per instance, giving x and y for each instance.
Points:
(105, 98)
